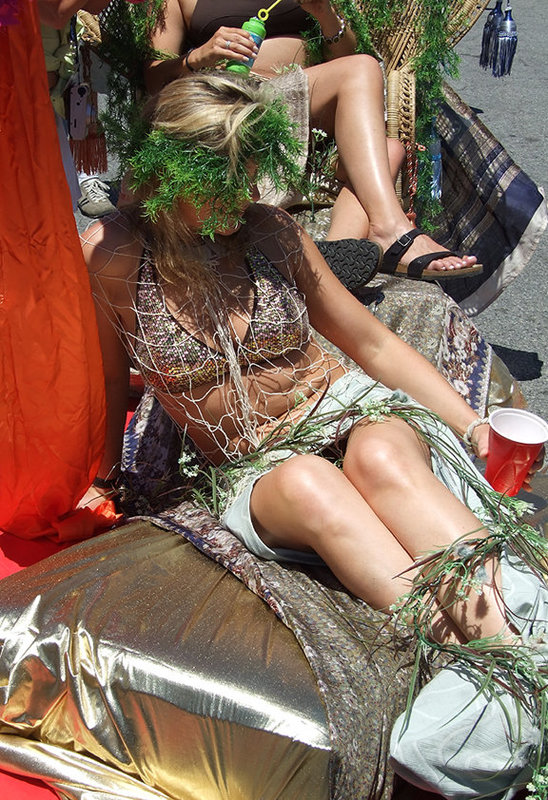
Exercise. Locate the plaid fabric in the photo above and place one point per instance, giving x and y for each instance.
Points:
(490, 207)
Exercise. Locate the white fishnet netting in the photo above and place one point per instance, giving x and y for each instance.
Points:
(229, 364)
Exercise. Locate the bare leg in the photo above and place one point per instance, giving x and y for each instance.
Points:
(308, 504)
(390, 467)
(347, 101)
(348, 217)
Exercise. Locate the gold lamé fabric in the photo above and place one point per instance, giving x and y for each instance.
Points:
(72, 775)
(132, 661)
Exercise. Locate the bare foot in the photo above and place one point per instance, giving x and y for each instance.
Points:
(423, 245)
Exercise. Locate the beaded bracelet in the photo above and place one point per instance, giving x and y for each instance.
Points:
(337, 36)
(467, 438)
(185, 61)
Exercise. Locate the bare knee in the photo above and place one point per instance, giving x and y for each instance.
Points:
(358, 72)
(296, 504)
(364, 71)
(379, 462)
(303, 483)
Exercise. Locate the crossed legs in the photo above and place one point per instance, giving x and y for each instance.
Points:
(370, 521)
(348, 217)
(347, 101)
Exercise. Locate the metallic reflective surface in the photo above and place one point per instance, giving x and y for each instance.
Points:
(135, 649)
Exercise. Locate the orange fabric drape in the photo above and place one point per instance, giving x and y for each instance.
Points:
(52, 405)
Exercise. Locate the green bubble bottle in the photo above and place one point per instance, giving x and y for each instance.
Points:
(255, 27)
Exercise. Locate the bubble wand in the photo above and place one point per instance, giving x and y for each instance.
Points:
(264, 12)
(256, 29)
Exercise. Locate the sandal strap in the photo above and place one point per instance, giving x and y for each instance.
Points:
(416, 267)
(392, 256)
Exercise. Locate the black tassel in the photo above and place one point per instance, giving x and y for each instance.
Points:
(507, 43)
(489, 40)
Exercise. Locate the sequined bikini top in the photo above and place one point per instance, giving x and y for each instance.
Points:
(174, 360)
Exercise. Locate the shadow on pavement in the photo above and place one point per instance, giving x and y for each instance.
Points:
(523, 365)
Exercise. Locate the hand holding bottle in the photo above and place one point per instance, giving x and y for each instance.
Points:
(236, 44)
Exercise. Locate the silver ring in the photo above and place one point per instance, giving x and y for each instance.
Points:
(227, 44)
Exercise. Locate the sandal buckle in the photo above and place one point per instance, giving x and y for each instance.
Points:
(405, 240)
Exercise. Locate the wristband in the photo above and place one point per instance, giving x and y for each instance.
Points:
(185, 61)
(467, 438)
(107, 484)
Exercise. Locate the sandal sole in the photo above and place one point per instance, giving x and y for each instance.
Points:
(354, 261)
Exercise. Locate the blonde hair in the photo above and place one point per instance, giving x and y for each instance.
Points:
(208, 109)
(213, 112)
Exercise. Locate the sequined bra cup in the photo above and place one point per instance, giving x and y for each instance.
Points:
(173, 360)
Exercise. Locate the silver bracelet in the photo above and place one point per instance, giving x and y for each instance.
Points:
(467, 438)
(189, 67)
(337, 36)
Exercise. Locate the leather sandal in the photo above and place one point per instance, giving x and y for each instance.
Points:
(354, 261)
(416, 269)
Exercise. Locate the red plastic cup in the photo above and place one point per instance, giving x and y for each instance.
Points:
(515, 440)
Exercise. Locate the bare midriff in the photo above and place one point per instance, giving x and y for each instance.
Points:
(279, 393)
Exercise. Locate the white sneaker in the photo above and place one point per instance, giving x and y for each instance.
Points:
(95, 199)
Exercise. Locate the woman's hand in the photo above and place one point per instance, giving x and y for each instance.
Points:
(535, 467)
(93, 498)
(480, 440)
(226, 43)
(331, 26)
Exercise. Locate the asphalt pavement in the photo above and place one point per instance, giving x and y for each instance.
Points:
(515, 109)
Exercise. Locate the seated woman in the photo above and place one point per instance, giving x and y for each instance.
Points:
(346, 100)
(215, 303)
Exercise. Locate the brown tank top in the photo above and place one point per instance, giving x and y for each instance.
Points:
(286, 19)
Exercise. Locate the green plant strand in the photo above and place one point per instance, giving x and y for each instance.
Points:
(435, 60)
(185, 170)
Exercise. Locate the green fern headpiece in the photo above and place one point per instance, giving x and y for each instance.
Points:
(183, 169)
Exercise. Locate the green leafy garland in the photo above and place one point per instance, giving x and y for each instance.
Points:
(436, 59)
(185, 170)
(126, 29)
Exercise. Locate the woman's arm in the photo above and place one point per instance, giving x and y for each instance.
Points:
(342, 319)
(170, 38)
(339, 39)
(116, 373)
(105, 276)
